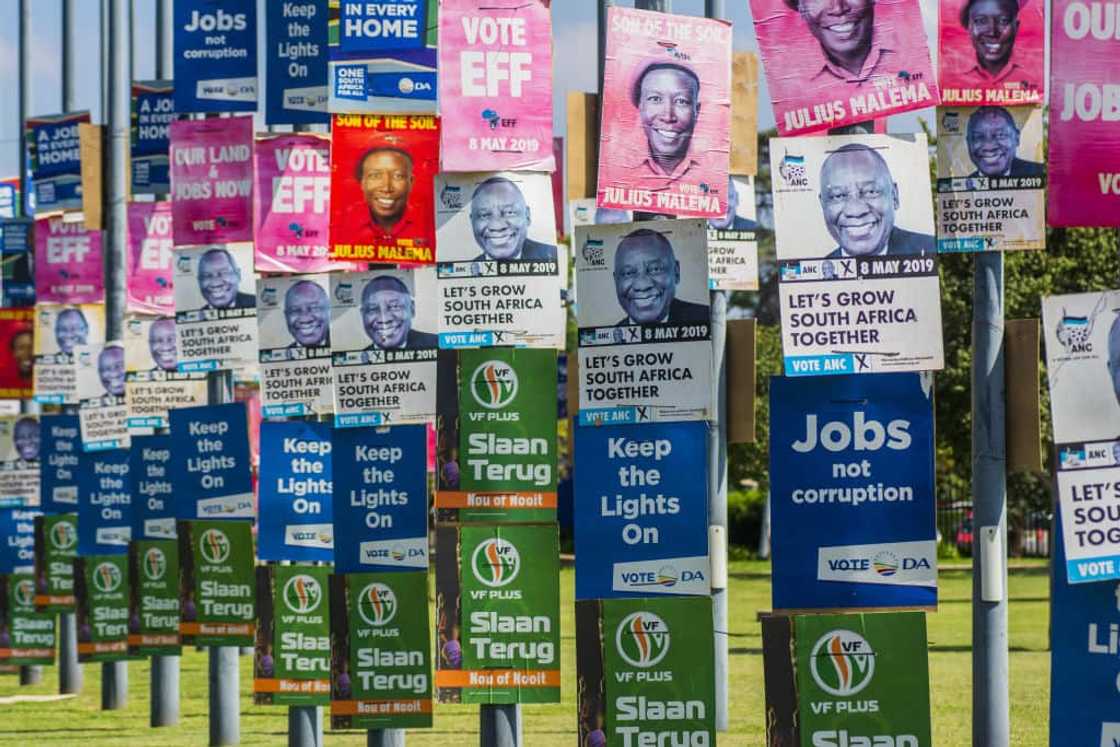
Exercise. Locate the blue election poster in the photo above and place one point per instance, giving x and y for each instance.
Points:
(852, 491)
(153, 111)
(17, 281)
(641, 492)
(296, 62)
(380, 498)
(215, 56)
(295, 493)
(58, 464)
(55, 160)
(153, 501)
(104, 503)
(17, 540)
(210, 462)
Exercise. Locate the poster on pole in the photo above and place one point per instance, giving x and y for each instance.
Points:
(215, 67)
(990, 179)
(217, 583)
(153, 600)
(153, 111)
(56, 546)
(212, 180)
(20, 460)
(382, 56)
(733, 240)
(153, 385)
(17, 353)
(55, 160)
(296, 493)
(68, 264)
(665, 139)
(991, 52)
(59, 329)
(104, 502)
(101, 588)
(296, 62)
(383, 347)
(27, 637)
(153, 494)
(294, 337)
(17, 280)
(495, 90)
(149, 282)
(210, 462)
(102, 411)
(382, 167)
(215, 307)
(291, 200)
(645, 351)
(857, 260)
(59, 447)
(17, 540)
(292, 653)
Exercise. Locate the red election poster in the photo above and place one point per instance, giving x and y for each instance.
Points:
(67, 261)
(665, 136)
(1084, 178)
(17, 353)
(831, 64)
(495, 85)
(991, 52)
(149, 259)
(212, 180)
(382, 172)
(291, 202)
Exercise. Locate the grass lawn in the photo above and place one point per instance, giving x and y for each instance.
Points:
(81, 721)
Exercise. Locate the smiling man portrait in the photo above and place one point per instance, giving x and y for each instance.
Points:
(219, 279)
(308, 315)
(387, 312)
(500, 220)
(993, 139)
(646, 276)
(851, 49)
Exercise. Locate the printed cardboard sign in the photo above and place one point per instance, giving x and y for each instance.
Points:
(294, 323)
(153, 385)
(215, 307)
(296, 62)
(212, 180)
(55, 160)
(153, 494)
(153, 604)
(296, 493)
(60, 444)
(20, 450)
(292, 655)
(17, 353)
(153, 111)
(27, 637)
(991, 52)
(102, 412)
(217, 584)
(210, 462)
(68, 265)
(150, 240)
(104, 502)
(17, 540)
(101, 587)
(215, 56)
(733, 240)
(56, 547)
(58, 331)
(17, 284)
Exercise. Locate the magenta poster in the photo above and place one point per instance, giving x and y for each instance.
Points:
(212, 180)
(149, 259)
(665, 134)
(1084, 179)
(834, 64)
(495, 85)
(67, 261)
(991, 52)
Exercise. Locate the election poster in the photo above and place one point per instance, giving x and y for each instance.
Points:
(380, 496)
(381, 651)
(498, 614)
(858, 287)
(828, 70)
(382, 56)
(294, 321)
(665, 138)
(382, 167)
(496, 437)
(733, 240)
(58, 331)
(296, 493)
(217, 583)
(292, 653)
(646, 671)
(20, 457)
(56, 547)
(17, 281)
(17, 353)
(641, 495)
(153, 600)
(153, 385)
(212, 180)
(102, 411)
(101, 587)
(990, 179)
(215, 67)
(497, 262)
(104, 502)
(645, 351)
(55, 160)
(17, 540)
(296, 62)
(1082, 334)
(584, 212)
(153, 499)
(495, 91)
(291, 202)
(215, 307)
(150, 242)
(59, 447)
(383, 347)
(844, 680)
(27, 637)
(9, 197)
(1084, 145)
(210, 462)
(852, 492)
(68, 266)
(153, 111)
(991, 52)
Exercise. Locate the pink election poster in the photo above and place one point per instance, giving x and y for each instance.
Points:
(1084, 178)
(991, 52)
(212, 180)
(149, 259)
(67, 262)
(495, 85)
(830, 64)
(665, 134)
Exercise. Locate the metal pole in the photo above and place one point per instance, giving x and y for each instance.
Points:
(305, 726)
(30, 675)
(24, 101)
(69, 58)
(69, 670)
(662, 6)
(105, 62)
(990, 707)
(164, 43)
(499, 725)
(386, 738)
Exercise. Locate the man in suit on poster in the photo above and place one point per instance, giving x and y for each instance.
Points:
(646, 275)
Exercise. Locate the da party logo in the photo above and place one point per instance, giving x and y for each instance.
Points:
(842, 663)
(642, 639)
(155, 564)
(107, 577)
(24, 593)
(494, 384)
(377, 604)
(302, 594)
(64, 535)
(214, 546)
(495, 562)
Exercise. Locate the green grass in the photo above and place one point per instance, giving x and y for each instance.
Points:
(81, 721)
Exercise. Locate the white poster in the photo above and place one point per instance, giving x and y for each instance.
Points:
(215, 307)
(294, 317)
(153, 385)
(19, 460)
(58, 331)
(733, 240)
(102, 413)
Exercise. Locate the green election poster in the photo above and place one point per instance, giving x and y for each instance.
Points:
(153, 603)
(291, 665)
(381, 651)
(56, 546)
(101, 590)
(26, 636)
(217, 586)
(498, 614)
(496, 436)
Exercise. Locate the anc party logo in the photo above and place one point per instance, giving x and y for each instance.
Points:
(642, 639)
(302, 594)
(494, 384)
(24, 593)
(64, 535)
(155, 564)
(214, 546)
(106, 577)
(495, 562)
(842, 662)
(377, 604)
